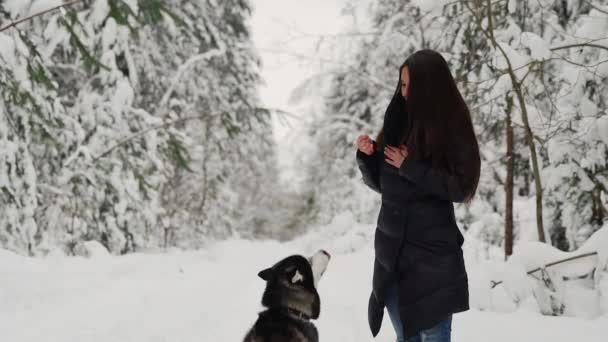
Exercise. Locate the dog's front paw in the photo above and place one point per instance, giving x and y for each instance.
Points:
(375, 312)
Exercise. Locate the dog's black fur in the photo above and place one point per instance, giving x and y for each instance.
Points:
(292, 301)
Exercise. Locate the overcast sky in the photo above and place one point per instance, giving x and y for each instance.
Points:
(286, 33)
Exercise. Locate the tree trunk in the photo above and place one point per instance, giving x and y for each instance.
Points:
(509, 182)
(517, 88)
(165, 238)
(530, 142)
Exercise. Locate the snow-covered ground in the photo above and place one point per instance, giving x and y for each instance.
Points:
(214, 295)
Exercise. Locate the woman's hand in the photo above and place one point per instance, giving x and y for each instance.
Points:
(395, 156)
(365, 144)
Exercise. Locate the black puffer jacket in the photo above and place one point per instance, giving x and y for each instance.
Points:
(417, 240)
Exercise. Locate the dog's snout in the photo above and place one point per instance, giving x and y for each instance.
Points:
(326, 253)
(318, 263)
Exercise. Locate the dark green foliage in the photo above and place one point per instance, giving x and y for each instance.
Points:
(178, 153)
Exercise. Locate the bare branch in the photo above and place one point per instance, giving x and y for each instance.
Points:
(579, 45)
(15, 23)
(601, 10)
(144, 131)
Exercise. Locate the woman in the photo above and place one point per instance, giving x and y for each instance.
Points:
(425, 158)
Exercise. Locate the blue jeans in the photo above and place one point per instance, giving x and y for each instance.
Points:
(439, 333)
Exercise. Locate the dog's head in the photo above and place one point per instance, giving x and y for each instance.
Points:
(291, 283)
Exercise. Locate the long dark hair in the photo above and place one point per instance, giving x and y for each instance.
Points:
(434, 120)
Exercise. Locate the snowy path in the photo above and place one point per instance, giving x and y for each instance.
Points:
(214, 295)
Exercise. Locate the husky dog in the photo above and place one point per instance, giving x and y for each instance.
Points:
(291, 300)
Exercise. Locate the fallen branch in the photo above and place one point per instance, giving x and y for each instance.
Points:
(496, 283)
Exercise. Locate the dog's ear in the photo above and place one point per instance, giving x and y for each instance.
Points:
(265, 274)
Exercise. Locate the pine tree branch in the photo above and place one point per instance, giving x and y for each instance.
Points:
(15, 23)
(149, 129)
(144, 131)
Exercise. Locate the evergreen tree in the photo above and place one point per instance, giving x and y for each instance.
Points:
(130, 123)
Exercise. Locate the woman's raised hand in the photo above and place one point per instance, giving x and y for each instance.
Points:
(395, 155)
(365, 144)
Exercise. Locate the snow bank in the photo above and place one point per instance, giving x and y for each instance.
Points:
(8, 256)
(214, 295)
(576, 288)
(598, 242)
(90, 249)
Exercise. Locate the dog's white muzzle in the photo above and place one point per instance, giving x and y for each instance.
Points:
(318, 263)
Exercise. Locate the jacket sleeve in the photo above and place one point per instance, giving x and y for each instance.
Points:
(450, 186)
(370, 169)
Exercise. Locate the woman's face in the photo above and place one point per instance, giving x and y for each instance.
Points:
(405, 81)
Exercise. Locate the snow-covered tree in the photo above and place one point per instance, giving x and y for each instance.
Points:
(134, 123)
(533, 70)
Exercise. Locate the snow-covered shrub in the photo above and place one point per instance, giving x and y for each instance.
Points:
(90, 249)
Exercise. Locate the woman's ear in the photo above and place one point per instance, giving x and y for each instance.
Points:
(265, 274)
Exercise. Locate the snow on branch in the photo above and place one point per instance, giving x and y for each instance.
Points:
(183, 68)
